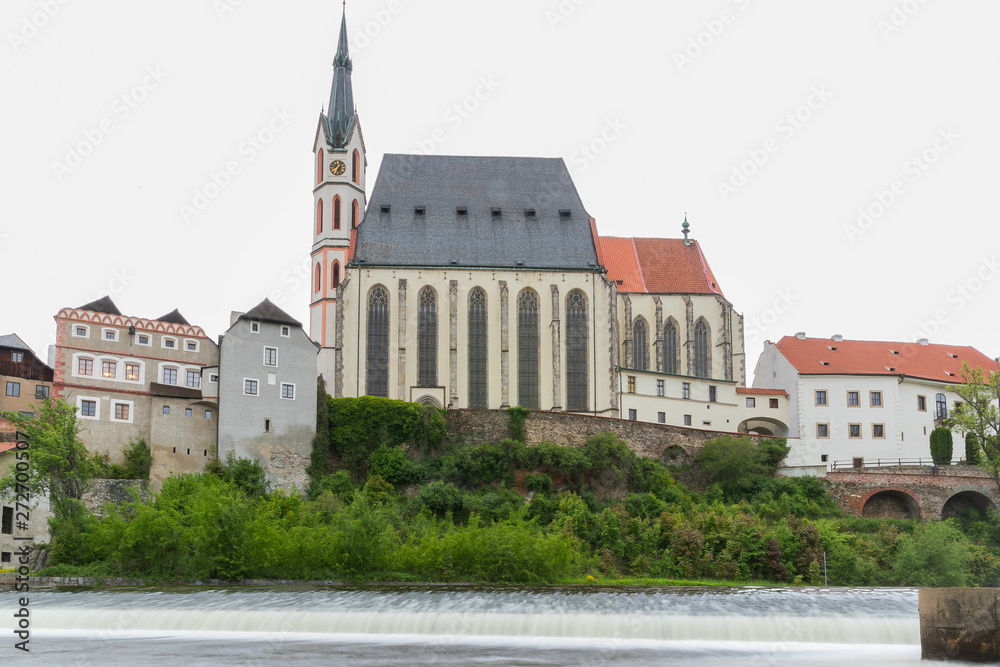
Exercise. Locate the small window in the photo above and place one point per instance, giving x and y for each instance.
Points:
(712, 394)
(529, 213)
(213, 378)
(686, 390)
(773, 403)
(286, 331)
(169, 376)
(169, 343)
(17, 357)
(85, 367)
(110, 334)
(565, 213)
(166, 409)
(419, 210)
(661, 417)
(876, 399)
(24, 413)
(922, 403)
(13, 388)
(632, 415)
(462, 210)
(496, 212)
(132, 372)
(5, 556)
(878, 431)
(854, 431)
(288, 391)
(687, 420)
(250, 387)
(822, 430)
(188, 412)
(255, 327)
(194, 379)
(81, 332)
(853, 399)
(208, 414)
(41, 392)
(821, 397)
(751, 402)
(143, 339)
(7, 527)
(631, 384)
(386, 208)
(824, 458)
(121, 411)
(191, 345)
(109, 369)
(270, 356)
(267, 426)
(88, 408)
(660, 388)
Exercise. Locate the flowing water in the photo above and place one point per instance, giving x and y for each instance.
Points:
(408, 625)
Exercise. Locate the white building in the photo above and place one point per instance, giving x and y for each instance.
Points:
(855, 403)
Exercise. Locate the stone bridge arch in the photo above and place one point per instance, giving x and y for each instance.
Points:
(891, 503)
(764, 426)
(968, 497)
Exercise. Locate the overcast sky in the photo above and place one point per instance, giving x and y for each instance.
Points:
(837, 161)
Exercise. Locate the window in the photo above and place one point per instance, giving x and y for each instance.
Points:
(23, 413)
(854, 431)
(427, 338)
(773, 403)
(319, 166)
(942, 407)
(702, 358)
(166, 409)
(109, 369)
(356, 168)
(660, 388)
(208, 414)
(250, 387)
(286, 331)
(143, 339)
(169, 343)
(194, 379)
(478, 340)
(270, 356)
(751, 402)
(255, 327)
(41, 392)
(336, 212)
(878, 431)
(213, 378)
(631, 384)
(355, 213)
(334, 279)
(640, 345)
(191, 345)
(85, 367)
(169, 376)
(267, 426)
(17, 357)
(686, 390)
(288, 391)
(88, 408)
(377, 375)
(110, 334)
(922, 403)
(527, 349)
(824, 458)
(13, 388)
(81, 332)
(7, 527)
(132, 372)
(576, 350)
(671, 349)
(631, 415)
(822, 430)
(876, 399)
(687, 420)
(319, 216)
(188, 412)
(853, 399)
(319, 278)
(661, 417)
(821, 397)
(712, 395)
(121, 411)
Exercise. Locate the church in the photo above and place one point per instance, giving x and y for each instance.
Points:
(482, 282)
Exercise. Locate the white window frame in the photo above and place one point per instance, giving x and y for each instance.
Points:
(254, 327)
(114, 333)
(187, 373)
(149, 339)
(163, 374)
(131, 411)
(133, 362)
(197, 345)
(214, 377)
(264, 356)
(85, 327)
(77, 358)
(245, 392)
(163, 342)
(287, 384)
(286, 331)
(97, 408)
(103, 361)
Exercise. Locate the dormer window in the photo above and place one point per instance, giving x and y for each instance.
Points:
(419, 210)
(462, 210)
(496, 212)
(894, 351)
(385, 208)
(953, 356)
(529, 213)
(565, 213)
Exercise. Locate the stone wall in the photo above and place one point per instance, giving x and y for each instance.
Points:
(564, 428)
(112, 491)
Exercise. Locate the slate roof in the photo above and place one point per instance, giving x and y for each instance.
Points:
(340, 114)
(14, 341)
(442, 237)
(102, 305)
(265, 311)
(657, 266)
(174, 317)
(824, 356)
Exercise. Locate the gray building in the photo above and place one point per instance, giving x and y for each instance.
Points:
(267, 393)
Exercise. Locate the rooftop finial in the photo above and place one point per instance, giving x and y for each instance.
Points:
(686, 229)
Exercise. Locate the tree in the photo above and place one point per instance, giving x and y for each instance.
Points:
(972, 449)
(942, 446)
(979, 414)
(60, 465)
(733, 461)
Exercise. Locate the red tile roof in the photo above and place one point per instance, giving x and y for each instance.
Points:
(825, 356)
(7, 446)
(761, 392)
(657, 266)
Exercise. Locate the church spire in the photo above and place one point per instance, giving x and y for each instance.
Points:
(340, 113)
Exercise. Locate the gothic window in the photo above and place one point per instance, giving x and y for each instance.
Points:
(640, 345)
(336, 212)
(576, 351)
(427, 338)
(319, 277)
(377, 375)
(527, 349)
(356, 168)
(478, 395)
(335, 273)
(319, 166)
(319, 217)
(354, 214)
(702, 357)
(671, 348)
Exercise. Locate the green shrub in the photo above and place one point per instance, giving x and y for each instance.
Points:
(937, 555)
(390, 463)
(339, 484)
(941, 446)
(972, 452)
(247, 474)
(515, 422)
(538, 482)
(442, 498)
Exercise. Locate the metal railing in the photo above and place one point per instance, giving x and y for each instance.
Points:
(884, 463)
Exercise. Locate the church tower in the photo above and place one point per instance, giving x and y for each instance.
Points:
(338, 201)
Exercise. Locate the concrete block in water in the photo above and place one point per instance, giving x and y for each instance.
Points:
(960, 624)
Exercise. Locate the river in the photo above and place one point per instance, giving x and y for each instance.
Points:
(415, 625)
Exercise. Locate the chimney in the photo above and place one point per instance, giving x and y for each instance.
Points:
(235, 315)
(801, 335)
(838, 338)
(923, 341)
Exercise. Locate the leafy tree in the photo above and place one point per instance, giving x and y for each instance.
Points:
(937, 555)
(732, 462)
(979, 414)
(942, 446)
(247, 474)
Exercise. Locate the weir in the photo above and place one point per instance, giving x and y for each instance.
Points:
(960, 624)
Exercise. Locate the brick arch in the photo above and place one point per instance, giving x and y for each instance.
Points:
(983, 492)
(908, 493)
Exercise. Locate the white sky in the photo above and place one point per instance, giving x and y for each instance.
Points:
(886, 78)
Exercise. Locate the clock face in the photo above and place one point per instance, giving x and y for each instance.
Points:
(337, 168)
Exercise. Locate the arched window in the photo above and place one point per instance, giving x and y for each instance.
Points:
(427, 338)
(335, 275)
(336, 212)
(355, 211)
(319, 166)
(319, 277)
(377, 376)
(942, 407)
(576, 351)
(527, 349)
(640, 345)
(478, 351)
(702, 356)
(671, 348)
(356, 168)
(319, 217)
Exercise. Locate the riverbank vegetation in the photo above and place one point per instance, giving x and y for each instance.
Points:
(390, 500)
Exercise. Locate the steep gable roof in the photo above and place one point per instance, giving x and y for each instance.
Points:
(102, 305)
(658, 266)
(825, 356)
(14, 341)
(174, 317)
(540, 221)
(265, 311)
